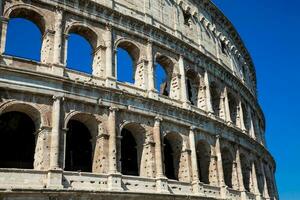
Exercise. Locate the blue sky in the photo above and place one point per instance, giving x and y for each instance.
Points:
(271, 31)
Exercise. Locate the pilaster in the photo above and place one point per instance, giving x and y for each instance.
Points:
(112, 144)
(209, 108)
(109, 70)
(3, 33)
(55, 134)
(227, 109)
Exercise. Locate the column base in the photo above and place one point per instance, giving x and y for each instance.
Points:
(162, 185)
(224, 192)
(58, 69)
(54, 179)
(197, 188)
(244, 195)
(152, 94)
(110, 82)
(186, 105)
(114, 182)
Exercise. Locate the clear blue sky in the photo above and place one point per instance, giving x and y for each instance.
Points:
(271, 31)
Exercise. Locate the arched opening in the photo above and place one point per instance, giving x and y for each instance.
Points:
(203, 158)
(79, 54)
(161, 80)
(129, 157)
(127, 60)
(78, 156)
(193, 85)
(246, 117)
(163, 71)
(23, 39)
(246, 171)
(227, 162)
(125, 66)
(269, 179)
(17, 144)
(233, 108)
(215, 99)
(260, 178)
(172, 153)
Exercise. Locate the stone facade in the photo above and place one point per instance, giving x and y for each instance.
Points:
(210, 124)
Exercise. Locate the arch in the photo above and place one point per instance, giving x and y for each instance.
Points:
(172, 153)
(17, 144)
(33, 111)
(78, 155)
(215, 98)
(90, 121)
(246, 171)
(27, 12)
(163, 73)
(227, 162)
(127, 59)
(193, 86)
(80, 47)
(132, 143)
(233, 108)
(203, 157)
(29, 43)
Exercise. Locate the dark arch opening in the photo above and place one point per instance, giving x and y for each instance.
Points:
(79, 54)
(78, 147)
(203, 157)
(215, 99)
(169, 160)
(17, 144)
(26, 45)
(227, 161)
(129, 156)
(233, 108)
(125, 66)
(246, 170)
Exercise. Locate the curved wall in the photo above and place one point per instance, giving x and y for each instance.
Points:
(210, 118)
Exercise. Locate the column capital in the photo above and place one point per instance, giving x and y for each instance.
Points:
(193, 128)
(108, 26)
(113, 108)
(58, 97)
(158, 118)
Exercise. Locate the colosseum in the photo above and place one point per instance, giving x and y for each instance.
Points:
(72, 135)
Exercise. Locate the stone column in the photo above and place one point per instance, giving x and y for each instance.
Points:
(195, 174)
(112, 144)
(255, 188)
(54, 179)
(251, 129)
(114, 180)
(183, 87)
(242, 120)
(55, 135)
(3, 33)
(227, 109)
(109, 68)
(239, 170)
(161, 180)
(209, 107)
(158, 149)
(150, 74)
(57, 50)
(220, 168)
